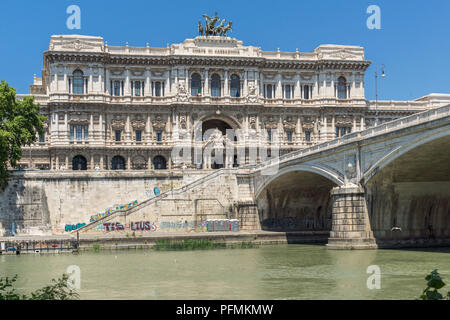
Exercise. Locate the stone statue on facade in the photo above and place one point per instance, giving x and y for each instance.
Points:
(211, 29)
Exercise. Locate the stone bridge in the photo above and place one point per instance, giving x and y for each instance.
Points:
(387, 183)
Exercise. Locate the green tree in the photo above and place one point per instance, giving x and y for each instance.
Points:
(434, 283)
(57, 291)
(20, 124)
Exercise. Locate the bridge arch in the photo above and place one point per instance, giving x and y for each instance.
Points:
(297, 198)
(408, 190)
(401, 150)
(332, 176)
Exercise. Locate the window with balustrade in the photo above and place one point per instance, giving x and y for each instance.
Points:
(78, 82)
(138, 135)
(342, 88)
(269, 91)
(306, 91)
(215, 85)
(117, 87)
(196, 85)
(117, 135)
(158, 88)
(79, 132)
(235, 86)
(288, 91)
(342, 131)
(137, 88)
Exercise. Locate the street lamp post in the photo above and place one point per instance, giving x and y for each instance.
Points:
(383, 75)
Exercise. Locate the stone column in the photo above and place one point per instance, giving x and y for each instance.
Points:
(333, 127)
(226, 89)
(206, 83)
(350, 227)
(127, 83)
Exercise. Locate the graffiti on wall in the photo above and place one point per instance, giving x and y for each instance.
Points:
(176, 224)
(142, 226)
(109, 211)
(293, 223)
(133, 226)
(113, 226)
(73, 227)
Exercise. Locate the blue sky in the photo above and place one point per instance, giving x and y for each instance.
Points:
(413, 42)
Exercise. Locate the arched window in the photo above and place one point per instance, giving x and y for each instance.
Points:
(78, 82)
(79, 163)
(159, 163)
(118, 163)
(196, 85)
(215, 85)
(342, 88)
(235, 86)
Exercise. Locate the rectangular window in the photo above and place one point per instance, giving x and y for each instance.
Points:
(137, 88)
(288, 91)
(86, 132)
(158, 135)
(116, 88)
(118, 132)
(42, 138)
(72, 129)
(269, 91)
(307, 92)
(79, 132)
(269, 134)
(308, 135)
(158, 88)
(289, 136)
(342, 131)
(138, 135)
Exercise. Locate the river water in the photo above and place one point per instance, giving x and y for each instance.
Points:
(267, 272)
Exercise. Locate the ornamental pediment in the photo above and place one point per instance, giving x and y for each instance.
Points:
(76, 43)
(117, 124)
(138, 124)
(158, 122)
(79, 121)
(343, 121)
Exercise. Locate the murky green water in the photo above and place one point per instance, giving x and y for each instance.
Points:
(269, 272)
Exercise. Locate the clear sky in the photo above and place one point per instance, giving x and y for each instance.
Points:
(413, 42)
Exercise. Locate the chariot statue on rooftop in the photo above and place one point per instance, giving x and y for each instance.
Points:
(211, 29)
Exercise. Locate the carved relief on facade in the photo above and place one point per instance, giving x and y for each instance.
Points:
(252, 122)
(289, 123)
(183, 122)
(271, 123)
(159, 123)
(76, 121)
(117, 124)
(252, 96)
(343, 121)
(182, 94)
(138, 124)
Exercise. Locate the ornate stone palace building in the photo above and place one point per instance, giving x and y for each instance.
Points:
(111, 107)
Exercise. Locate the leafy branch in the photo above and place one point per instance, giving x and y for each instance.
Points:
(59, 290)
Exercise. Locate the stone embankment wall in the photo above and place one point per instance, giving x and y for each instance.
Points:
(45, 202)
(182, 210)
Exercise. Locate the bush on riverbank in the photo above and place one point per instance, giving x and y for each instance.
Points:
(187, 244)
(57, 291)
(434, 283)
(202, 244)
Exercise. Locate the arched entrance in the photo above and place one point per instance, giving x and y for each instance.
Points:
(159, 163)
(79, 163)
(217, 136)
(218, 124)
(118, 163)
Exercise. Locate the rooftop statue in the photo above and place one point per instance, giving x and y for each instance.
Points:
(211, 29)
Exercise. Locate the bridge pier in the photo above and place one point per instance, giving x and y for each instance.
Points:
(350, 220)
